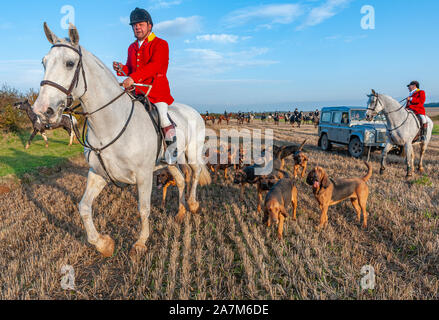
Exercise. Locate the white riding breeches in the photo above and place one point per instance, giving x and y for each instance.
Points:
(423, 118)
(162, 107)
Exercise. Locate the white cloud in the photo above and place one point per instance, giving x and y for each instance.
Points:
(220, 38)
(347, 39)
(202, 62)
(179, 26)
(272, 14)
(319, 14)
(163, 4)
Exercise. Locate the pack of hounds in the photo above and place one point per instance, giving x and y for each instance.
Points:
(281, 187)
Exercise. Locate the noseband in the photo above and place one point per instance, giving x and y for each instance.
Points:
(75, 81)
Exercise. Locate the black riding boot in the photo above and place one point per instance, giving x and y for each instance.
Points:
(424, 132)
(171, 152)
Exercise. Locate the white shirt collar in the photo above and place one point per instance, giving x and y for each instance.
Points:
(412, 92)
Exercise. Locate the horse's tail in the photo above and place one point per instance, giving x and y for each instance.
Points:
(205, 178)
(369, 173)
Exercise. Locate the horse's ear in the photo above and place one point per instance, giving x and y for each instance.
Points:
(374, 93)
(49, 34)
(73, 34)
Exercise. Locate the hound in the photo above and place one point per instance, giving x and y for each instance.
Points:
(329, 192)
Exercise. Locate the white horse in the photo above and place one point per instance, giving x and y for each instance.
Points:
(402, 129)
(131, 159)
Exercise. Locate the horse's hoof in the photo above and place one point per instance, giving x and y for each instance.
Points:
(27, 147)
(194, 207)
(179, 218)
(138, 249)
(382, 170)
(105, 246)
(47, 146)
(421, 170)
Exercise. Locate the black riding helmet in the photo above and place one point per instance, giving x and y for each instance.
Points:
(140, 15)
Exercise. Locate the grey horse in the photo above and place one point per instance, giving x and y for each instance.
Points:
(402, 129)
(73, 73)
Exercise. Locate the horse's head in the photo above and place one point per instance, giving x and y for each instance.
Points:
(374, 106)
(64, 77)
(22, 105)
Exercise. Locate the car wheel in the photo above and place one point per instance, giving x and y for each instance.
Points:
(324, 143)
(356, 148)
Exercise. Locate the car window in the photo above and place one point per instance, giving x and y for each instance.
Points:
(358, 115)
(345, 118)
(326, 117)
(336, 118)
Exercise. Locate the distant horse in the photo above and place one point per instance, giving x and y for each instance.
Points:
(241, 119)
(315, 120)
(403, 129)
(122, 143)
(222, 118)
(39, 127)
(207, 118)
(296, 119)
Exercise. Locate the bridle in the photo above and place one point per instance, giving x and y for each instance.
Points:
(75, 80)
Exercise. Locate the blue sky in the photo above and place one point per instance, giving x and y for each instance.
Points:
(246, 55)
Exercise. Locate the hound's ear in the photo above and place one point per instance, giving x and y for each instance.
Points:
(73, 34)
(49, 34)
(325, 180)
(309, 178)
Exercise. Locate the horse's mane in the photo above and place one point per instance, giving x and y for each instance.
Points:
(101, 65)
(390, 99)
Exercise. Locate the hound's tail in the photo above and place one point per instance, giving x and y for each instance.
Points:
(205, 178)
(370, 172)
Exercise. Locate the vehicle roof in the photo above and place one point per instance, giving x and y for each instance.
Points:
(343, 108)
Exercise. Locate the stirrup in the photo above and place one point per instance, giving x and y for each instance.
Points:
(168, 158)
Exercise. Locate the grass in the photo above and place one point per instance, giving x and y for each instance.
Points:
(15, 160)
(436, 129)
(423, 181)
(225, 252)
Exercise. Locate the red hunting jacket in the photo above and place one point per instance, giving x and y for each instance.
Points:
(149, 65)
(416, 102)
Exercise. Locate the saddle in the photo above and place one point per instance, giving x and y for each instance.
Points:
(419, 134)
(153, 113)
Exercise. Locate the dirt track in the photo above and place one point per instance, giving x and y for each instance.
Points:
(226, 252)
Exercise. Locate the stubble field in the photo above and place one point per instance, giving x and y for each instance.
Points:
(225, 252)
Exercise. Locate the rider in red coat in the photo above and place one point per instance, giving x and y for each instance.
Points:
(148, 60)
(415, 102)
